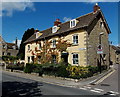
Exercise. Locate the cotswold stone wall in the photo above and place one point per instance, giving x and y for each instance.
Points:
(0, 48)
(93, 42)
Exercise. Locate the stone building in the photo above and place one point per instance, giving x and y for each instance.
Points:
(8, 49)
(114, 54)
(87, 34)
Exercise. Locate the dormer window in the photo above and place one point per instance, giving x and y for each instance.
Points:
(54, 29)
(72, 23)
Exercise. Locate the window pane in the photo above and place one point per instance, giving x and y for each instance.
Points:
(75, 58)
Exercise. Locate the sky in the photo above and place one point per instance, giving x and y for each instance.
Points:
(17, 17)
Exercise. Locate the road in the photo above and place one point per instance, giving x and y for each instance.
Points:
(111, 82)
(21, 87)
(107, 85)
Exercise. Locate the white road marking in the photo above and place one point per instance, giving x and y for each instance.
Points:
(114, 92)
(95, 91)
(87, 87)
(99, 89)
(83, 88)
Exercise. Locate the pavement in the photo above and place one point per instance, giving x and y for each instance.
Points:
(93, 84)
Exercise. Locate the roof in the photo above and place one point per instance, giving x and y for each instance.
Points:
(84, 22)
(10, 45)
(117, 48)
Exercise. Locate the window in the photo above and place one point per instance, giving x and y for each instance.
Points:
(4, 46)
(54, 29)
(14, 47)
(28, 59)
(75, 58)
(28, 47)
(101, 25)
(54, 43)
(53, 58)
(3, 53)
(72, 23)
(9, 54)
(40, 46)
(75, 39)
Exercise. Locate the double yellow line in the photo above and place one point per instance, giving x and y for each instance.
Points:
(102, 79)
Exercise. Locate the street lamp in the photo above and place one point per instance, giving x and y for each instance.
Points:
(100, 47)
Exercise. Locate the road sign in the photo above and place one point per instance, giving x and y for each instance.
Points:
(99, 49)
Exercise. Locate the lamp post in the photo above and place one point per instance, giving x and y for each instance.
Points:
(100, 47)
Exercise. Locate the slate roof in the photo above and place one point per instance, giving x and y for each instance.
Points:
(117, 48)
(84, 22)
(10, 45)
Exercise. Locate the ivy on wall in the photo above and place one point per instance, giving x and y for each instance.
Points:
(46, 51)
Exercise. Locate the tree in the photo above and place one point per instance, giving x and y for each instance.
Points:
(27, 34)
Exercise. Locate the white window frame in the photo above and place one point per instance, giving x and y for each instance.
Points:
(75, 60)
(54, 43)
(28, 47)
(40, 47)
(75, 40)
(73, 23)
(28, 58)
(54, 29)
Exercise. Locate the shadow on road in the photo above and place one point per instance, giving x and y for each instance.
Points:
(21, 89)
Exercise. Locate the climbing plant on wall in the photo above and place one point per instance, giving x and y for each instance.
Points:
(47, 51)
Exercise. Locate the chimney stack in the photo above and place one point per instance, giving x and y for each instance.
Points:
(96, 7)
(57, 22)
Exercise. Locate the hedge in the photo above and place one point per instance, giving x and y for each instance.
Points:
(62, 70)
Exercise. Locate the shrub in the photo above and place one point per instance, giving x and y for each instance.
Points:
(29, 68)
(61, 71)
(14, 67)
(39, 70)
(92, 70)
(77, 71)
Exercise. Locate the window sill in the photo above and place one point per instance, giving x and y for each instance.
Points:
(74, 44)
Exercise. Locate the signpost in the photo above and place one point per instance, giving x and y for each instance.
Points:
(99, 49)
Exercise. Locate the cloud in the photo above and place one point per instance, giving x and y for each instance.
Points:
(65, 19)
(8, 8)
(18, 42)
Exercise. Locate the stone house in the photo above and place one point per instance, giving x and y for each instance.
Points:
(8, 49)
(86, 34)
(114, 54)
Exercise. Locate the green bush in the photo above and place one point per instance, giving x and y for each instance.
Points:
(92, 70)
(61, 71)
(38, 69)
(29, 68)
(14, 67)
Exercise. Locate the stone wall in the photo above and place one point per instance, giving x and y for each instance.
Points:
(93, 42)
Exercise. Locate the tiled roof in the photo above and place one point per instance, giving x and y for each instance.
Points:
(84, 21)
(32, 38)
(115, 48)
(10, 45)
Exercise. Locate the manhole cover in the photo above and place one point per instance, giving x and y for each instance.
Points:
(105, 85)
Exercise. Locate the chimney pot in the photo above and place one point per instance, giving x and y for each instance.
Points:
(57, 22)
(96, 7)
